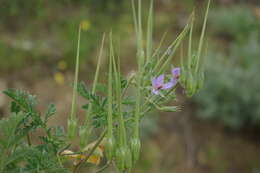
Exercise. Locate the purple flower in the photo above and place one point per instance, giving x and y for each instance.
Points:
(176, 72)
(158, 84)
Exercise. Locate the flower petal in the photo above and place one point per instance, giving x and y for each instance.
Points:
(157, 82)
(160, 79)
(173, 81)
(168, 85)
(154, 91)
(154, 82)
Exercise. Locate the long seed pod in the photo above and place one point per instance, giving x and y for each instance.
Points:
(149, 38)
(121, 153)
(202, 35)
(193, 72)
(135, 141)
(86, 130)
(110, 139)
(72, 122)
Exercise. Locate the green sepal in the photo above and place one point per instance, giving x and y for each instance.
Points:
(110, 148)
(84, 134)
(72, 128)
(128, 159)
(135, 146)
(120, 158)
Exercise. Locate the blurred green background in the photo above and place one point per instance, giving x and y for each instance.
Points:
(217, 131)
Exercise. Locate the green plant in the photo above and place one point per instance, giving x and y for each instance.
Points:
(16, 130)
(116, 109)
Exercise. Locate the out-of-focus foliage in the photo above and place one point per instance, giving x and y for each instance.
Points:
(232, 83)
(17, 8)
(237, 22)
(45, 31)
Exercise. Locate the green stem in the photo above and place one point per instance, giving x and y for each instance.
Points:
(28, 139)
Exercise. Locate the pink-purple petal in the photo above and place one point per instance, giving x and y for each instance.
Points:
(155, 91)
(160, 80)
(154, 82)
(173, 81)
(167, 85)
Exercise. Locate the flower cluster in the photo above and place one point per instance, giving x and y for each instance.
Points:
(158, 82)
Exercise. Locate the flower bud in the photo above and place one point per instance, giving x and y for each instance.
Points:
(110, 147)
(72, 128)
(135, 146)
